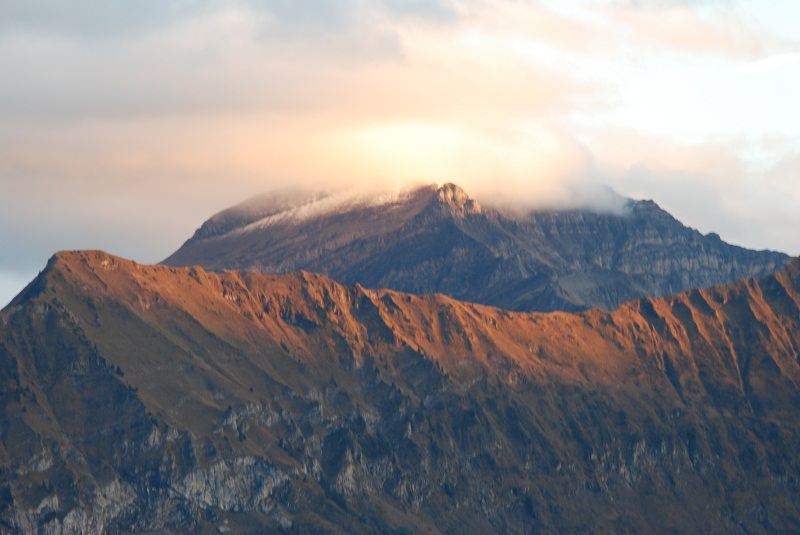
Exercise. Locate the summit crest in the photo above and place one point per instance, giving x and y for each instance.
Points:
(440, 240)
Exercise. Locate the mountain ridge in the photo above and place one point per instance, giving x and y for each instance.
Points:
(433, 240)
(244, 401)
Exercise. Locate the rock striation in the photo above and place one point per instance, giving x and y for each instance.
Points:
(158, 399)
(438, 240)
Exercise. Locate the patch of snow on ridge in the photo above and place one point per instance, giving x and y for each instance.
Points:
(325, 205)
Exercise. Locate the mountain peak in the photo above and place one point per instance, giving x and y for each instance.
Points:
(454, 196)
(452, 193)
(439, 240)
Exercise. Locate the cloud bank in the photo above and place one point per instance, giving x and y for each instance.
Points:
(124, 125)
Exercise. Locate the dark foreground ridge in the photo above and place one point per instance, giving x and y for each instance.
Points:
(154, 399)
(440, 241)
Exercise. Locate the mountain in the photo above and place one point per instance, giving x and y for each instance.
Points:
(169, 400)
(433, 240)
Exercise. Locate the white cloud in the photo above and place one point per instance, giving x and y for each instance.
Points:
(770, 63)
(112, 111)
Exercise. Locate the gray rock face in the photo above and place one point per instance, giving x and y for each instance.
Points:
(441, 241)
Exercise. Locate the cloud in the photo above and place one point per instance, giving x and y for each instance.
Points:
(682, 27)
(115, 20)
(668, 4)
(174, 104)
(771, 63)
(204, 57)
(220, 62)
(112, 111)
(93, 19)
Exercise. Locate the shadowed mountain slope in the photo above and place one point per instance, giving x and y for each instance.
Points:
(440, 241)
(149, 398)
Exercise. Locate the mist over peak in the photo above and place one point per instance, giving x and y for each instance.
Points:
(521, 197)
(301, 202)
(511, 196)
(515, 250)
(296, 204)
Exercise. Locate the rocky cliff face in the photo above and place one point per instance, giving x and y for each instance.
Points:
(441, 241)
(154, 399)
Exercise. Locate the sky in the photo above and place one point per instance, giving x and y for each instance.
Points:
(124, 125)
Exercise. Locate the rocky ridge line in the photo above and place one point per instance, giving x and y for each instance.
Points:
(141, 398)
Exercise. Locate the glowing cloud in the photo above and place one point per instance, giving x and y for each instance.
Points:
(114, 113)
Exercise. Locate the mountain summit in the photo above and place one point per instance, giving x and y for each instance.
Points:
(439, 240)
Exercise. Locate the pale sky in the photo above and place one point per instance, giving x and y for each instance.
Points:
(124, 125)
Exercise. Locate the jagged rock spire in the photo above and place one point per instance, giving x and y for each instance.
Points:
(456, 197)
